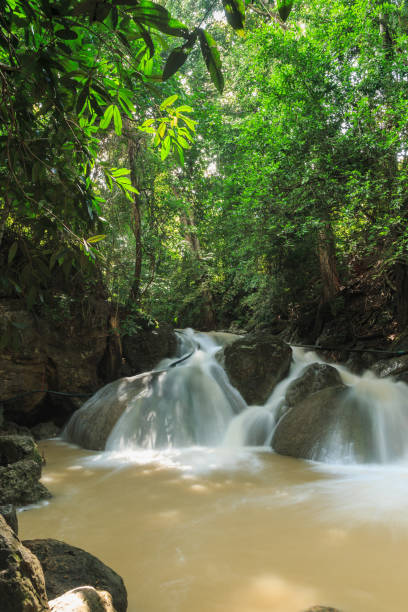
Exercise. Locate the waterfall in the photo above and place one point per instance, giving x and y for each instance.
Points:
(188, 401)
(188, 405)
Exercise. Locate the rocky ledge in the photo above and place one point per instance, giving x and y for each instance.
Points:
(20, 471)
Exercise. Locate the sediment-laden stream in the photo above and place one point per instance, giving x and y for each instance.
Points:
(227, 528)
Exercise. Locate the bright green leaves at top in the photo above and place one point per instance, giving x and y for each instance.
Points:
(212, 59)
(154, 15)
(235, 13)
(171, 132)
(284, 8)
(209, 52)
(178, 56)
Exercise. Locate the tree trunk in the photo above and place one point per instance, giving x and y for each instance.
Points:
(208, 312)
(4, 213)
(327, 260)
(133, 149)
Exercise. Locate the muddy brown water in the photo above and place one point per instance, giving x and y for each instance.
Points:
(209, 530)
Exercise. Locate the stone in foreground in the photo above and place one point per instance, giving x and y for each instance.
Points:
(83, 599)
(22, 586)
(68, 567)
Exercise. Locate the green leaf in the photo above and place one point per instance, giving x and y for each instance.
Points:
(12, 252)
(107, 117)
(190, 123)
(175, 60)
(212, 59)
(96, 238)
(147, 123)
(147, 39)
(180, 154)
(184, 109)
(235, 13)
(161, 130)
(284, 8)
(168, 101)
(183, 142)
(165, 150)
(151, 14)
(120, 172)
(117, 119)
(82, 98)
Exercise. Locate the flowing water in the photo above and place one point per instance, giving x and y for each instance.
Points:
(203, 516)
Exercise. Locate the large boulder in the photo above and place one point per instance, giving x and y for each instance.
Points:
(256, 363)
(22, 586)
(144, 350)
(327, 425)
(314, 377)
(68, 567)
(83, 599)
(91, 425)
(20, 471)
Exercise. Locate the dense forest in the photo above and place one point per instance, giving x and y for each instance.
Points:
(205, 167)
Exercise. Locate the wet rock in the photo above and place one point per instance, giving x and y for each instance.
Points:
(68, 567)
(83, 599)
(314, 378)
(10, 428)
(22, 586)
(16, 447)
(255, 364)
(91, 425)
(45, 431)
(144, 350)
(396, 367)
(306, 430)
(20, 471)
(19, 483)
(9, 513)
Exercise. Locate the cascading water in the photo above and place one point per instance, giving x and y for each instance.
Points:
(193, 404)
(190, 404)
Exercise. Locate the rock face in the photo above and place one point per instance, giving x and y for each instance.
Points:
(144, 350)
(314, 378)
(255, 364)
(22, 586)
(83, 599)
(91, 425)
(306, 429)
(67, 567)
(9, 514)
(60, 356)
(20, 471)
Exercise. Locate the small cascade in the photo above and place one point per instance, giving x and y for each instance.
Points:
(256, 424)
(188, 405)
